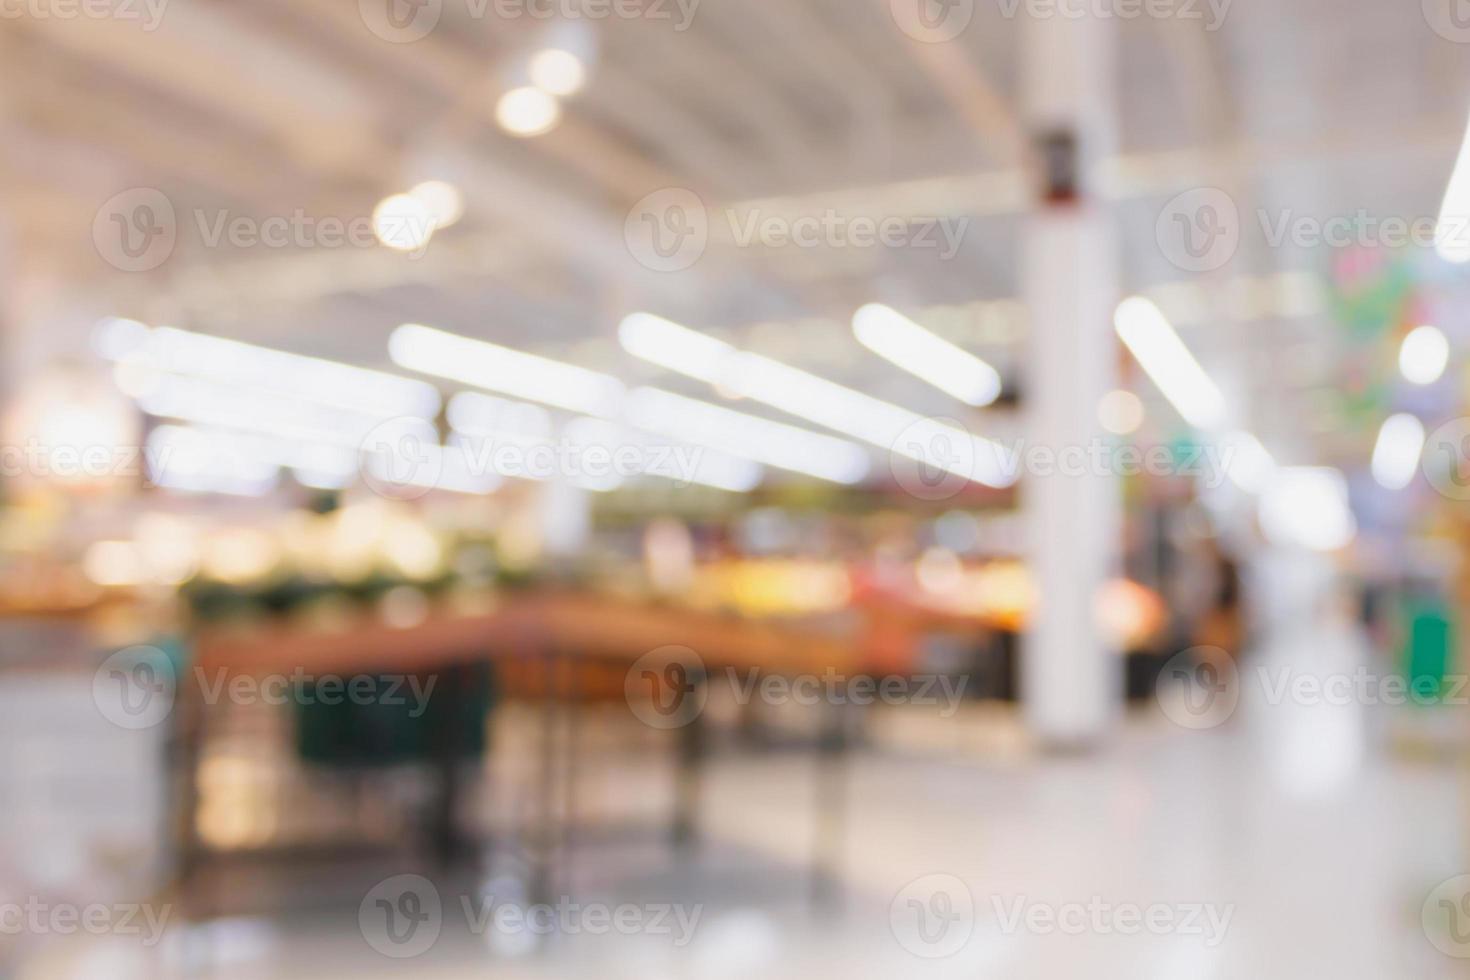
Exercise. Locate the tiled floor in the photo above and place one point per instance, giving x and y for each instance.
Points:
(1309, 840)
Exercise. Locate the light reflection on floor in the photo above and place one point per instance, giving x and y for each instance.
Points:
(1298, 822)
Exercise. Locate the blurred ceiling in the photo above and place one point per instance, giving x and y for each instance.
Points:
(279, 107)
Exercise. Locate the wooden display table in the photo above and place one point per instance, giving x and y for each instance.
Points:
(558, 637)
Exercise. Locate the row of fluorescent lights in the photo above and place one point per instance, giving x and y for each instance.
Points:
(592, 394)
(405, 221)
(251, 410)
(193, 366)
(220, 385)
(476, 419)
(811, 398)
(240, 400)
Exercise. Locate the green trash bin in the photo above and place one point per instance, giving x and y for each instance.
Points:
(384, 723)
(1427, 653)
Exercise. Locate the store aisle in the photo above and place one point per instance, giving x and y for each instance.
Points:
(1289, 841)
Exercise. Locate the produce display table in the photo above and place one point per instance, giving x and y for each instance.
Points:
(552, 642)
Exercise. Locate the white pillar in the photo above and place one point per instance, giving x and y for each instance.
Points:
(1071, 679)
(565, 518)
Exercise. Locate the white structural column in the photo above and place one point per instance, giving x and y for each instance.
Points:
(1071, 678)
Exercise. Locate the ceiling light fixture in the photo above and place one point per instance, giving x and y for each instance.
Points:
(1424, 355)
(816, 399)
(527, 111)
(403, 222)
(1397, 452)
(443, 200)
(1151, 339)
(557, 72)
(926, 355)
(1452, 231)
(786, 447)
(501, 369)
